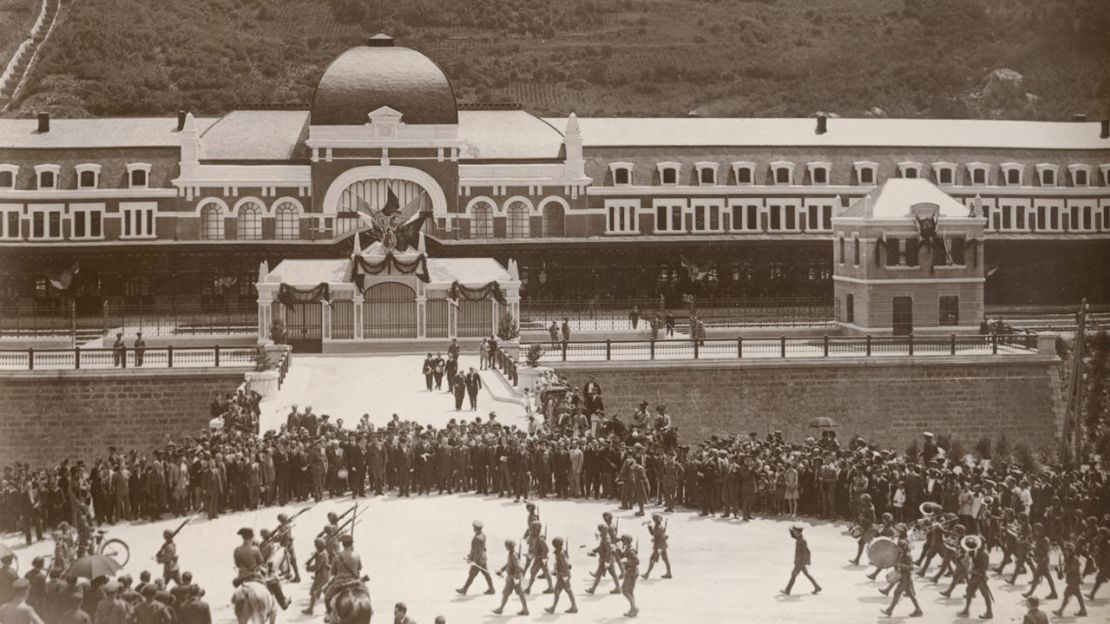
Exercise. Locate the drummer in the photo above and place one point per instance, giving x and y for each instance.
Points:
(887, 531)
(866, 525)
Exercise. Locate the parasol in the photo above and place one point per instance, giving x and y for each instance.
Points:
(8, 552)
(822, 422)
(92, 566)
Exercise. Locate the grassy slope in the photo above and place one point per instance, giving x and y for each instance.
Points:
(16, 19)
(596, 57)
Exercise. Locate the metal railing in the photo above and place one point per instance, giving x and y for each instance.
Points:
(590, 315)
(506, 364)
(283, 366)
(159, 319)
(783, 347)
(146, 358)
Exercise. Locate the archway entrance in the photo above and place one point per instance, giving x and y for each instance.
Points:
(389, 311)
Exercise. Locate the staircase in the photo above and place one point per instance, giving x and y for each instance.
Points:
(19, 67)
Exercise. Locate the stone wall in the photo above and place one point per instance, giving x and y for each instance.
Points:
(887, 400)
(47, 416)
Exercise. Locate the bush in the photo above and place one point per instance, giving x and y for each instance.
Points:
(262, 361)
(1025, 458)
(507, 328)
(535, 352)
(912, 451)
(983, 447)
(278, 333)
(1002, 448)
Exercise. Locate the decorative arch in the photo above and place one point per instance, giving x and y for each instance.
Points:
(282, 200)
(378, 172)
(221, 204)
(518, 198)
(518, 213)
(481, 211)
(246, 200)
(389, 311)
(287, 218)
(554, 213)
(481, 198)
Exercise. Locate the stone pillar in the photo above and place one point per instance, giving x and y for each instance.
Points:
(452, 321)
(265, 311)
(421, 311)
(1046, 343)
(358, 318)
(325, 320)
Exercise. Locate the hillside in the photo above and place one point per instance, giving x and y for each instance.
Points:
(936, 58)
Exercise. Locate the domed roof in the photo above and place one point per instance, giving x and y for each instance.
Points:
(367, 77)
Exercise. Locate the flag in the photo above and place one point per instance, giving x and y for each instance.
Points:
(64, 280)
(392, 204)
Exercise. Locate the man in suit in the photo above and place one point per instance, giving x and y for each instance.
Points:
(438, 368)
(473, 384)
(428, 370)
(592, 394)
(459, 388)
(450, 370)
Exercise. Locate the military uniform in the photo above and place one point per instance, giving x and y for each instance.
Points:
(658, 546)
(562, 577)
(477, 560)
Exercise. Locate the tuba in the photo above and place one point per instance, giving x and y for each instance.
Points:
(929, 509)
(971, 543)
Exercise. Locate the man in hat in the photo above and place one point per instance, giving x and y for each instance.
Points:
(428, 370)
(320, 566)
(251, 566)
(658, 533)
(16, 610)
(631, 567)
(151, 611)
(606, 556)
(477, 560)
(283, 536)
(977, 581)
(112, 609)
(1034, 615)
(537, 555)
(194, 610)
(512, 573)
(346, 570)
(562, 577)
(801, 561)
(140, 348)
(928, 448)
(119, 351)
(641, 418)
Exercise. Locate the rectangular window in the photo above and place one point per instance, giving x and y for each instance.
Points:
(47, 180)
(707, 215)
(138, 178)
(820, 175)
(668, 215)
(776, 217)
(744, 175)
(840, 250)
(1019, 217)
(913, 247)
(7, 179)
(1073, 215)
(1048, 177)
(855, 250)
(87, 220)
(621, 217)
(1007, 217)
(707, 175)
(867, 175)
(1040, 224)
(979, 176)
(949, 311)
(1013, 176)
(10, 221)
(620, 176)
(945, 176)
(138, 220)
(850, 308)
(782, 175)
(791, 218)
(910, 172)
(670, 175)
(1054, 218)
(46, 222)
(1080, 177)
(893, 252)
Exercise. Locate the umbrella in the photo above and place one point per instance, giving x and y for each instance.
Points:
(92, 566)
(822, 422)
(8, 552)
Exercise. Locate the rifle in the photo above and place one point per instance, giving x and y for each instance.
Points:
(343, 515)
(175, 532)
(329, 542)
(274, 533)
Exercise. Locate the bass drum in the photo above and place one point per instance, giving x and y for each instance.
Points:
(883, 552)
(892, 576)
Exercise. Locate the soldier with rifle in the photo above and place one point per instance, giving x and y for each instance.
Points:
(658, 532)
(512, 580)
(320, 566)
(167, 554)
(477, 560)
(562, 577)
(606, 557)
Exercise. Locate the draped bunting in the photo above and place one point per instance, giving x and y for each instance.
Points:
(476, 294)
(389, 265)
(288, 295)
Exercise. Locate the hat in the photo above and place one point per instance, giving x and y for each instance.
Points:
(346, 539)
(112, 586)
(149, 590)
(246, 533)
(21, 584)
(795, 529)
(927, 434)
(478, 524)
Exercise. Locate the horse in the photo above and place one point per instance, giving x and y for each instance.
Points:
(351, 606)
(254, 604)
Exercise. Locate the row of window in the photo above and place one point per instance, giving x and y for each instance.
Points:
(671, 215)
(47, 177)
(865, 173)
(949, 305)
(906, 252)
(1045, 215)
(248, 221)
(46, 222)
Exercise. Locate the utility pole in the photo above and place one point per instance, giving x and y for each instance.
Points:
(1073, 420)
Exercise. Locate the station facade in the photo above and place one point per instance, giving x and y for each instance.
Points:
(187, 208)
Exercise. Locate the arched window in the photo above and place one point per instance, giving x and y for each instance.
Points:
(287, 225)
(481, 220)
(250, 221)
(211, 222)
(553, 219)
(518, 220)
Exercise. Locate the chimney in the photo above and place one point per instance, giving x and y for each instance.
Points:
(822, 123)
(1079, 116)
(180, 120)
(1105, 129)
(44, 122)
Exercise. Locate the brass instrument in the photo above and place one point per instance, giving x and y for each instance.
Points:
(971, 543)
(929, 509)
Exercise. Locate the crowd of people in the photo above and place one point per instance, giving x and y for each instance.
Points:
(574, 449)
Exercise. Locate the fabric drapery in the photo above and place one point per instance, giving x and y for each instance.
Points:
(389, 265)
(288, 295)
(492, 289)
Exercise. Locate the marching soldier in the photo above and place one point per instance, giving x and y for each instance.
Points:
(562, 577)
(605, 560)
(904, 566)
(1072, 580)
(250, 564)
(477, 560)
(631, 566)
(167, 556)
(866, 520)
(658, 545)
(283, 536)
(538, 556)
(980, 562)
(801, 561)
(320, 566)
(512, 572)
(1041, 547)
(672, 474)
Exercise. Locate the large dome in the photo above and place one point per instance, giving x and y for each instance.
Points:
(368, 77)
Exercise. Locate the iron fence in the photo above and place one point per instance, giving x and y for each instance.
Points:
(160, 319)
(783, 347)
(615, 314)
(107, 359)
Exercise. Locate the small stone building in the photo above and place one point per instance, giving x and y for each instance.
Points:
(908, 259)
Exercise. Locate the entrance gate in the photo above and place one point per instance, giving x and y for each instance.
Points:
(903, 316)
(304, 327)
(389, 311)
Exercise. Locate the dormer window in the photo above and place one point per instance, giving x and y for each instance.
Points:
(909, 170)
(7, 176)
(819, 172)
(744, 172)
(138, 175)
(622, 173)
(782, 172)
(865, 172)
(1080, 175)
(47, 176)
(668, 173)
(707, 173)
(945, 173)
(979, 173)
(88, 176)
(1047, 173)
(1013, 173)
